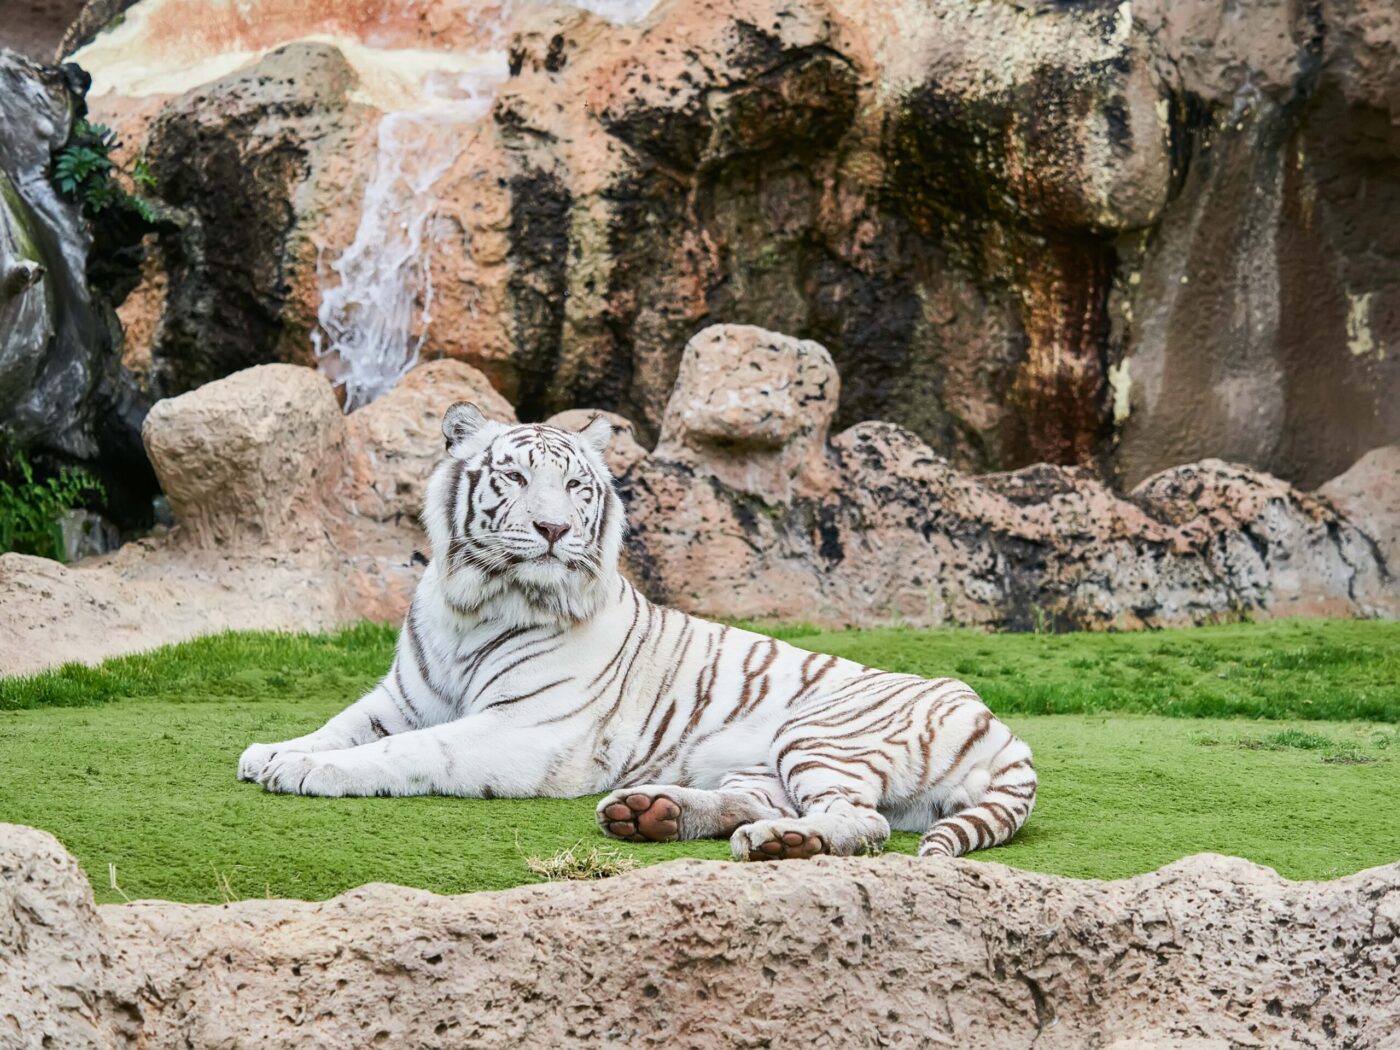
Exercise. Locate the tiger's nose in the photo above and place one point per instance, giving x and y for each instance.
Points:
(551, 531)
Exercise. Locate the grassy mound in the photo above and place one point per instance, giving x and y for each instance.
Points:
(131, 764)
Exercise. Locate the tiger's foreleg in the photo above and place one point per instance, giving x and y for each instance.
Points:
(381, 712)
(667, 812)
(480, 756)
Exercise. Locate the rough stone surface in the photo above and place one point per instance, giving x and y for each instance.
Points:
(1208, 952)
(249, 165)
(245, 460)
(876, 526)
(1369, 494)
(623, 453)
(64, 400)
(1119, 236)
(54, 949)
(751, 407)
(396, 440)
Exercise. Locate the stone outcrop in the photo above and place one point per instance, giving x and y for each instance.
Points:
(1209, 952)
(1120, 237)
(746, 509)
(249, 165)
(244, 462)
(1369, 494)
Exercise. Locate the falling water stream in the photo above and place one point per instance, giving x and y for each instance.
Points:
(365, 340)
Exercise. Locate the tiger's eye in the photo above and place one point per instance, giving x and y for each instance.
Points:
(573, 484)
(516, 477)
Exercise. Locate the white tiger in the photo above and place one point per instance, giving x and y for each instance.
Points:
(528, 666)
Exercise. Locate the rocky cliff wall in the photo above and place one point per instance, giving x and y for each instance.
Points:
(64, 396)
(1115, 236)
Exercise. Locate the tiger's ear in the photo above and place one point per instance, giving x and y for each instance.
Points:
(598, 433)
(462, 421)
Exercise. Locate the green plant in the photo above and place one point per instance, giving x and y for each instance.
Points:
(85, 170)
(31, 511)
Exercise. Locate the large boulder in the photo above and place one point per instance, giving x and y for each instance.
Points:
(55, 950)
(1369, 494)
(1209, 952)
(250, 459)
(751, 407)
(875, 524)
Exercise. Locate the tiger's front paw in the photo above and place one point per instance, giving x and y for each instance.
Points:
(787, 839)
(255, 758)
(323, 773)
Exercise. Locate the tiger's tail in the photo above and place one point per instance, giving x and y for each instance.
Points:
(996, 816)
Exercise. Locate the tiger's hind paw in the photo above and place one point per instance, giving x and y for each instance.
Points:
(640, 815)
(777, 840)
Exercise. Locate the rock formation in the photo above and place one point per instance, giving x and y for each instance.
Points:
(1120, 237)
(291, 515)
(1369, 494)
(63, 395)
(746, 509)
(1209, 952)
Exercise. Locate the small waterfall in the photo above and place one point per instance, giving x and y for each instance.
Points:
(366, 338)
(367, 322)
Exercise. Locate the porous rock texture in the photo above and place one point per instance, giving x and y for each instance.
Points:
(1097, 234)
(747, 509)
(1209, 952)
(397, 440)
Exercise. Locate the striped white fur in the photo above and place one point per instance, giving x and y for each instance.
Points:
(527, 666)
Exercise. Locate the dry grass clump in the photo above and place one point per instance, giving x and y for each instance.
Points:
(577, 864)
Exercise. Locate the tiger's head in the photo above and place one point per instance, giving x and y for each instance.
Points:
(524, 522)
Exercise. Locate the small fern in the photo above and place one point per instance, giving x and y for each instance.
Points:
(85, 171)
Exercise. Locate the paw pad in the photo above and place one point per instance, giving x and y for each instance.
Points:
(643, 818)
(791, 845)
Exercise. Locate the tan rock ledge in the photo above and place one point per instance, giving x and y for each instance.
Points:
(1208, 952)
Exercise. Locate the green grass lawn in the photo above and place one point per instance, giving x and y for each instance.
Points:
(1276, 742)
